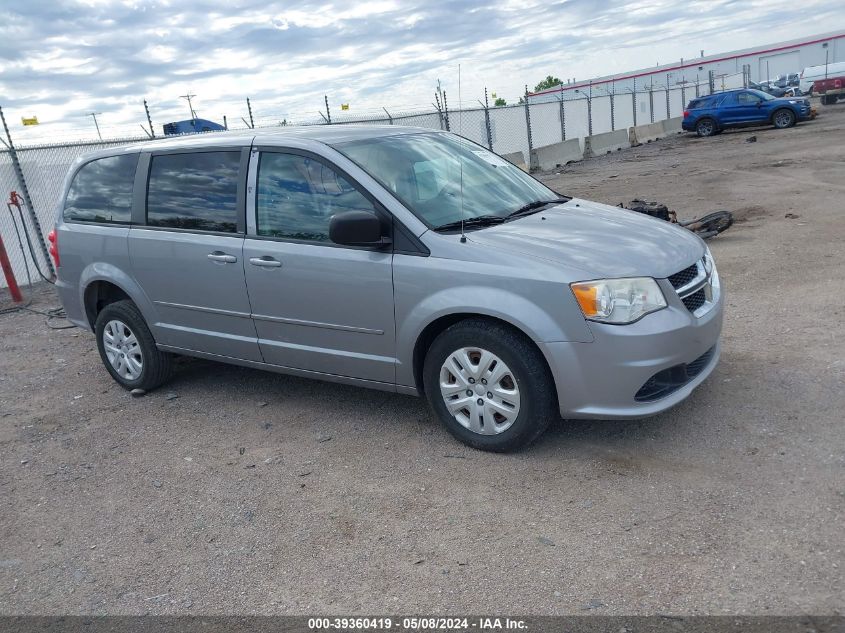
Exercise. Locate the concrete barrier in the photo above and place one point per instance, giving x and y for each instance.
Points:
(673, 126)
(516, 158)
(557, 154)
(646, 133)
(600, 144)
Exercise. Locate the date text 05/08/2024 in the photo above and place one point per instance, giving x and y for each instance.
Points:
(416, 624)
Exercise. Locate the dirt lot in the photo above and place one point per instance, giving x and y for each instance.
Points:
(232, 490)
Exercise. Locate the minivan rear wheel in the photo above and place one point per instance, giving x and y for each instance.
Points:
(127, 348)
(489, 385)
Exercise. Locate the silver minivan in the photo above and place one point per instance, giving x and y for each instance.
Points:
(395, 258)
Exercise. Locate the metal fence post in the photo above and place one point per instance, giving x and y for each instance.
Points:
(651, 100)
(487, 121)
(683, 92)
(439, 109)
(562, 114)
(634, 101)
(668, 108)
(26, 197)
(697, 91)
(249, 109)
(612, 111)
(528, 126)
(328, 112)
(149, 119)
(389, 117)
(711, 77)
(446, 112)
(590, 111)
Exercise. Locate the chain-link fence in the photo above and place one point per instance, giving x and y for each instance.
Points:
(504, 129)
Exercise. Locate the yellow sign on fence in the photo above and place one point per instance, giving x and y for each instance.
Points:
(344, 106)
(33, 120)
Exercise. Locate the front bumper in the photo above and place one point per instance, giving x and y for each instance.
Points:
(601, 379)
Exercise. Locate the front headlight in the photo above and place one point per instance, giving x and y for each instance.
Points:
(618, 300)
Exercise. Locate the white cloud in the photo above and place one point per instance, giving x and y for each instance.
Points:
(62, 59)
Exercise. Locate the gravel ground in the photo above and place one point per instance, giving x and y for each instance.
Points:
(236, 491)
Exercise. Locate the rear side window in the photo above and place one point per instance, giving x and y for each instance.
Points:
(297, 196)
(101, 191)
(194, 191)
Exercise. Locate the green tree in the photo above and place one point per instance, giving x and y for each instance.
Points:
(500, 102)
(548, 82)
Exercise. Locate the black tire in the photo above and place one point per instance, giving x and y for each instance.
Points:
(536, 388)
(783, 118)
(156, 366)
(705, 127)
(714, 223)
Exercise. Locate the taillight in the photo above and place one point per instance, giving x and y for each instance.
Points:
(686, 113)
(53, 238)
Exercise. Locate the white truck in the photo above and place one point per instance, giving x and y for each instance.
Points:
(812, 74)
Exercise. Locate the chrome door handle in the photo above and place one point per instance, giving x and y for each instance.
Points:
(266, 262)
(219, 256)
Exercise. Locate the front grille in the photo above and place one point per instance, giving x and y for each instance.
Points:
(670, 380)
(681, 279)
(694, 301)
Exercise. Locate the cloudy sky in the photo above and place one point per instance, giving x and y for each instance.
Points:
(62, 59)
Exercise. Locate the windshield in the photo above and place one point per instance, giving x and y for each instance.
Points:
(424, 171)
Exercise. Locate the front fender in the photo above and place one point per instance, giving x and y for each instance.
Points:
(547, 319)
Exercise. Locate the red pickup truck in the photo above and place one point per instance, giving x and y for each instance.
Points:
(830, 90)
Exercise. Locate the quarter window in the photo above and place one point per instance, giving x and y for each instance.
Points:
(101, 191)
(194, 191)
(298, 195)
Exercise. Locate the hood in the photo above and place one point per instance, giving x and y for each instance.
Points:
(788, 99)
(598, 240)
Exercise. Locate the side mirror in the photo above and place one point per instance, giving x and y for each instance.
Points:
(356, 228)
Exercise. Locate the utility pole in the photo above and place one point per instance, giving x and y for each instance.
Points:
(190, 105)
(93, 115)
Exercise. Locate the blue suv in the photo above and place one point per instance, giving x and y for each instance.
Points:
(710, 115)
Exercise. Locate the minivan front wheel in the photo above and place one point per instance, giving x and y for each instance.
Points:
(489, 385)
(127, 348)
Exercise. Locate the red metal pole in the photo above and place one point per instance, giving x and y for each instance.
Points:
(10, 274)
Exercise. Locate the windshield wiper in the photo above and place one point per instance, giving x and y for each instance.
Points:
(533, 207)
(477, 221)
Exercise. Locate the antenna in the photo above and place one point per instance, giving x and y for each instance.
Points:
(461, 156)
